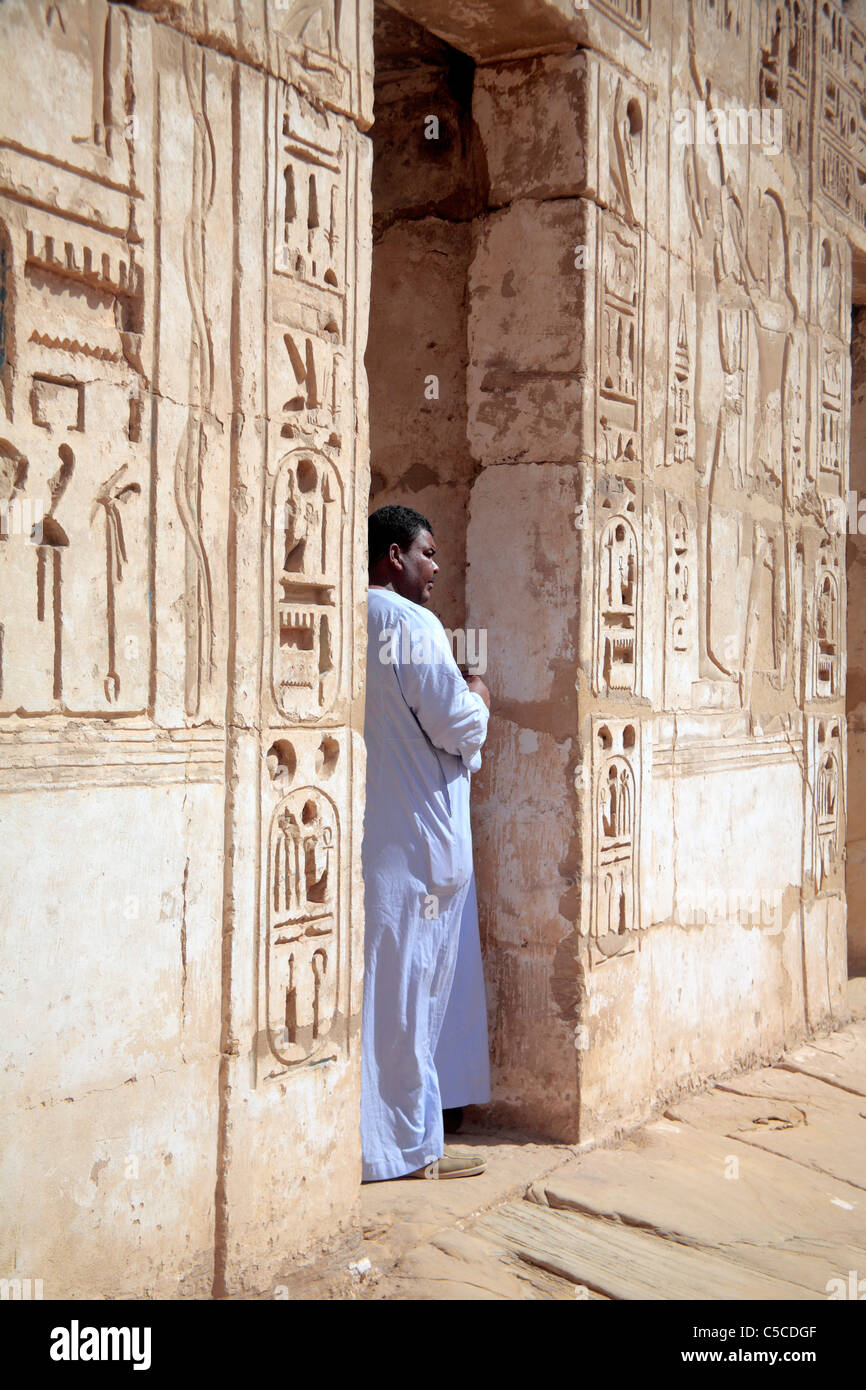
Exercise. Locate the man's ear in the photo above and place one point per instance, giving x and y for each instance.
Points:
(395, 555)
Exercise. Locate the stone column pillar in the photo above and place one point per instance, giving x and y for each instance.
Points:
(855, 869)
(657, 394)
(184, 282)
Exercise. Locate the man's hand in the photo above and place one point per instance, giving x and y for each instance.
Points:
(477, 686)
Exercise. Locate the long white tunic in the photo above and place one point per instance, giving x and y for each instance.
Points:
(424, 730)
(463, 1054)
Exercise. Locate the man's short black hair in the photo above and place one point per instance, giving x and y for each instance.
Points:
(390, 524)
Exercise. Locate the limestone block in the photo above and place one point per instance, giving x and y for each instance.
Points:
(427, 154)
(723, 840)
(416, 355)
(291, 1184)
(528, 372)
(321, 47)
(795, 1116)
(837, 1060)
(150, 900)
(522, 522)
(110, 1193)
(824, 949)
(534, 117)
(663, 996)
(524, 26)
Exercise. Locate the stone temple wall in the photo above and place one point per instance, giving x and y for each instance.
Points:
(855, 866)
(184, 251)
(653, 441)
(659, 388)
(657, 401)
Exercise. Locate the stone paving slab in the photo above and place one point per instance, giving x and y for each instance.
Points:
(397, 1215)
(624, 1262)
(753, 1189)
(798, 1117)
(840, 1059)
(473, 1267)
(687, 1186)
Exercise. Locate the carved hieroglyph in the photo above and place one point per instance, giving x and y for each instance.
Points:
(303, 903)
(307, 535)
(616, 782)
(311, 169)
(840, 117)
(826, 624)
(620, 359)
(618, 571)
(75, 514)
(313, 163)
(681, 578)
(825, 803)
(785, 40)
(747, 274)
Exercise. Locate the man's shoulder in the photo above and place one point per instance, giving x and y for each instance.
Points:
(385, 604)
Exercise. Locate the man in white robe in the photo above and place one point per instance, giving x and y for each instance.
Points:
(424, 729)
(462, 1053)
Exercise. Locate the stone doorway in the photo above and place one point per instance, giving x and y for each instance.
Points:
(429, 184)
(455, 393)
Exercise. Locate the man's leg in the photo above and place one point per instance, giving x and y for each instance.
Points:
(409, 967)
(462, 1051)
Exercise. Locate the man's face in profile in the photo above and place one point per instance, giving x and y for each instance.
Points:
(419, 568)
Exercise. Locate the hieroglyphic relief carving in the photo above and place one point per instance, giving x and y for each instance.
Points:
(7, 321)
(310, 221)
(71, 376)
(826, 761)
(682, 395)
(826, 633)
(618, 587)
(830, 431)
(680, 583)
(308, 36)
(622, 174)
(307, 544)
(831, 281)
(309, 265)
(627, 153)
(618, 583)
(725, 15)
(303, 924)
(719, 350)
(840, 111)
(50, 540)
(112, 495)
(191, 453)
(100, 17)
(794, 416)
(620, 348)
(830, 376)
(311, 411)
(72, 342)
(308, 283)
(633, 15)
(753, 284)
(615, 911)
(785, 47)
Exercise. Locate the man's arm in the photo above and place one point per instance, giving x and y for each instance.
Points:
(477, 686)
(453, 717)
